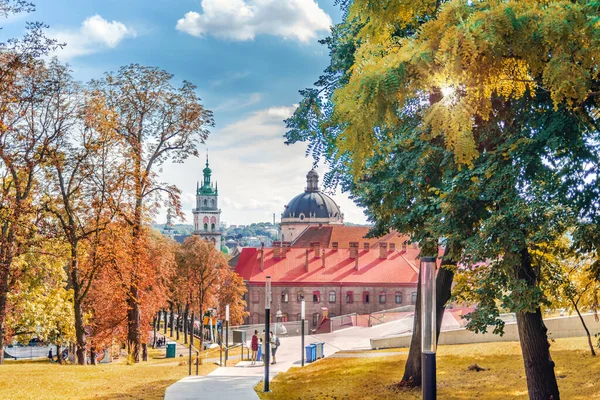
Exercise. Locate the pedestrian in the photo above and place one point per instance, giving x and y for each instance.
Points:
(260, 351)
(254, 345)
(274, 346)
(50, 356)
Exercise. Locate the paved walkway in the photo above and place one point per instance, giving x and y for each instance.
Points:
(237, 383)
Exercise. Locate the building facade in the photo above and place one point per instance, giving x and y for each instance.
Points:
(311, 208)
(207, 215)
(333, 281)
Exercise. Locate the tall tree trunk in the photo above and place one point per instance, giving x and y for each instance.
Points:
(3, 297)
(178, 322)
(539, 367)
(201, 320)
(92, 356)
(77, 306)
(144, 352)
(133, 325)
(443, 291)
(58, 354)
(584, 327)
(172, 319)
(185, 323)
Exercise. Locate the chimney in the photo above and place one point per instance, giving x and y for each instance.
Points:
(366, 246)
(316, 246)
(383, 250)
(262, 258)
(334, 246)
(284, 249)
(323, 258)
(392, 246)
(306, 262)
(276, 250)
(353, 249)
(404, 247)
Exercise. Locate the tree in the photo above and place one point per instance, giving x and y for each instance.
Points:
(231, 292)
(27, 136)
(511, 101)
(204, 267)
(84, 184)
(156, 122)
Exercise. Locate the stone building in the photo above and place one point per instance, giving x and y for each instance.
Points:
(207, 215)
(361, 278)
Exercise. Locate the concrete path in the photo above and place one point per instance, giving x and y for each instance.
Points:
(238, 382)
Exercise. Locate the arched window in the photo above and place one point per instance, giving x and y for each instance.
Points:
(316, 296)
(332, 296)
(205, 220)
(212, 227)
(301, 217)
(213, 220)
(349, 297)
(255, 296)
(284, 296)
(398, 297)
(205, 203)
(300, 296)
(382, 298)
(205, 227)
(365, 297)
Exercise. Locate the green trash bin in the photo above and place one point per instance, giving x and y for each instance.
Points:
(171, 350)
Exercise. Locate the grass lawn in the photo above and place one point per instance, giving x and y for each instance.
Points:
(45, 380)
(372, 378)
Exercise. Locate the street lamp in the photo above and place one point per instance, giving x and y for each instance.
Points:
(302, 316)
(226, 333)
(428, 328)
(267, 343)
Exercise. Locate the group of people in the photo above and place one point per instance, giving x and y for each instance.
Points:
(160, 341)
(257, 346)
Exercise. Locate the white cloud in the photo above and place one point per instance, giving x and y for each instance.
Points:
(95, 34)
(257, 173)
(245, 19)
(239, 102)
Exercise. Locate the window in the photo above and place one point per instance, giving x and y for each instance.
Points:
(349, 297)
(315, 319)
(300, 296)
(414, 298)
(365, 297)
(205, 227)
(382, 298)
(284, 296)
(205, 202)
(212, 227)
(332, 296)
(212, 202)
(316, 296)
(398, 297)
(255, 296)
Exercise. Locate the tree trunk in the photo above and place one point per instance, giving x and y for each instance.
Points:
(92, 356)
(77, 306)
(539, 367)
(166, 322)
(58, 354)
(3, 297)
(172, 320)
(133, 325)
(584, 327)
(154, 332)
(144, 352)
(443, 291)
(185, 324)
(178, 322)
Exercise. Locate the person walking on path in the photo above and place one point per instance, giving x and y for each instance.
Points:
(274, 345)
(254, 345)
(260, 350)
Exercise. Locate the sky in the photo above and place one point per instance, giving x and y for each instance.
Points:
(248, 59)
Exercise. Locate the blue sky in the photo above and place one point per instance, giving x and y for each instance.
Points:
(248, 58)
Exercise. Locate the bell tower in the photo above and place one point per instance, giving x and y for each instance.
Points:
(207, 215)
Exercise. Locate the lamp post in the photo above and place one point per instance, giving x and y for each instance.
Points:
(226, 333)
(267, 342)
(302, 316)
(428, 328)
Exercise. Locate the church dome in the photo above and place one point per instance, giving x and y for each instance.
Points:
(312, 203)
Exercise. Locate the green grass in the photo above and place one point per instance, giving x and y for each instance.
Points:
(374, 378)
(117, 380)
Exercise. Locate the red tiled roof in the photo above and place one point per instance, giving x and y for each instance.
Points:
(397, 268)
(343, 235)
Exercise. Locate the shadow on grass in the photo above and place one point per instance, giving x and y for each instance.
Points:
(150, 391)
